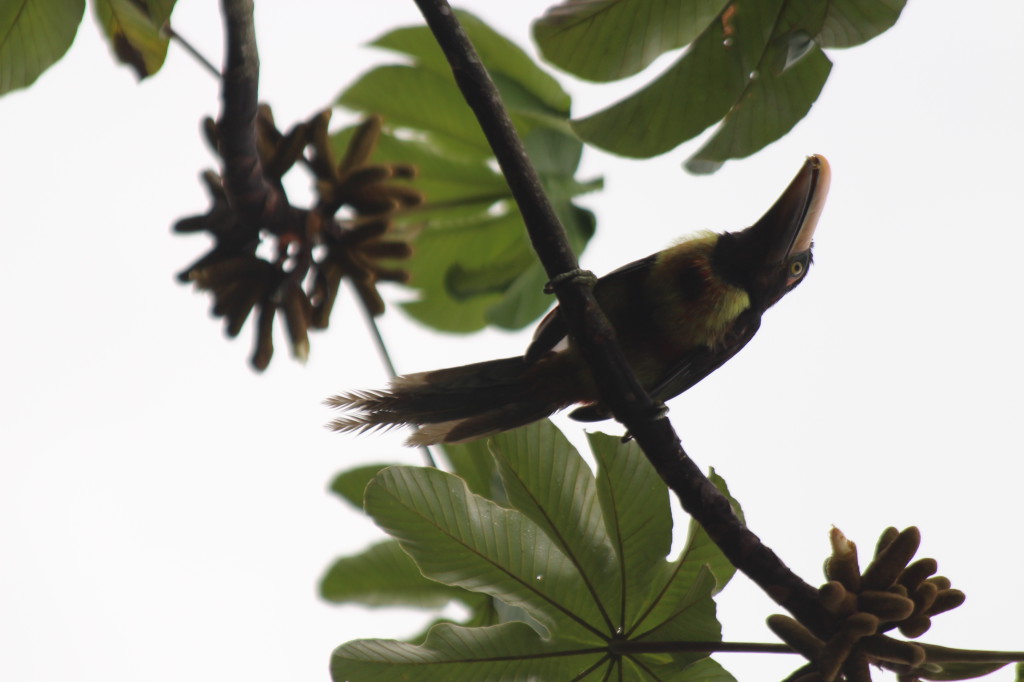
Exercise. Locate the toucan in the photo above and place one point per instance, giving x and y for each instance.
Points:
(678, 314)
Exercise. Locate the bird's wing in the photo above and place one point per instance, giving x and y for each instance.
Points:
(552, 329)
(690, 369)
(702, 361)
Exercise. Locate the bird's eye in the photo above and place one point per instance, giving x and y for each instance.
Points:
(796, 268)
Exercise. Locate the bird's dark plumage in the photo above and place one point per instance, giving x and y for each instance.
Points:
(679, 315)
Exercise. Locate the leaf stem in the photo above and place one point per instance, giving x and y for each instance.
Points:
(385, 357)
(191, 49)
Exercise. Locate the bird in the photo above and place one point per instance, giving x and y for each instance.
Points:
(678, 315)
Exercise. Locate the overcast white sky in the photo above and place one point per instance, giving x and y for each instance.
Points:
(163, 510)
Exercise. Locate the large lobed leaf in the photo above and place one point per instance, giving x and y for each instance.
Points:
(581, 560)
(754, 66)
(34, 34)
(473, 264)
(575, 34)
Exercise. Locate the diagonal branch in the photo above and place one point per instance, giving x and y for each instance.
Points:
(258, 202)
(590, 330)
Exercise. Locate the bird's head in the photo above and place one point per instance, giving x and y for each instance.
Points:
(772, 256)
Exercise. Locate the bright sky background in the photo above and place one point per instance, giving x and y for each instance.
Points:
(163, 509)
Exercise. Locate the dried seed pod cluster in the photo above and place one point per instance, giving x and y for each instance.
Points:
(369, 189)
(890, 593)
(296, 280)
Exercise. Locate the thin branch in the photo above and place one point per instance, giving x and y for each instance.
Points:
(257, 201)
(590, 330)
(385, 357)
(196, 54)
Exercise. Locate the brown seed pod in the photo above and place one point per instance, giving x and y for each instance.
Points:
(264, 337)
(885, 539)
(924, 597)
(839, 647)
(915, 626)
(836, 599)
(296, 315)
(360, 149)
(892, 650)
(891, 560)
(795, 635)
(886, 605)
(915, 573)
(842, 565)
(946, 600)
(857, 667)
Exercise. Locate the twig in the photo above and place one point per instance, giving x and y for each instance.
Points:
(196, 54)
(590, 330)
(256, 200)
(385, 357)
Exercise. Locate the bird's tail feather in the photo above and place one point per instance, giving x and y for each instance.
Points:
(451, 405)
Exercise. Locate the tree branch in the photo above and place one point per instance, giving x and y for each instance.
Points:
(591, 331)
(258, 202)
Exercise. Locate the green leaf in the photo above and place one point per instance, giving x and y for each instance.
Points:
(576, 34)
(754, 66)
(636, 510)
(853, 22)
(446, 259)
(135, 31)
(574, 567)
(34, 34)
(703, 670)
(384, 575)
(502, 57)
(462, 539)
(473, 264)
(474, 464)
(695, 92)
(686, 615)
(547, 480)
(349, 485)
(510, 651)
(417, 98)
(443, 179)
(767, 110)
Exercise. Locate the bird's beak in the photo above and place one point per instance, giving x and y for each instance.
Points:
(788, 226)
